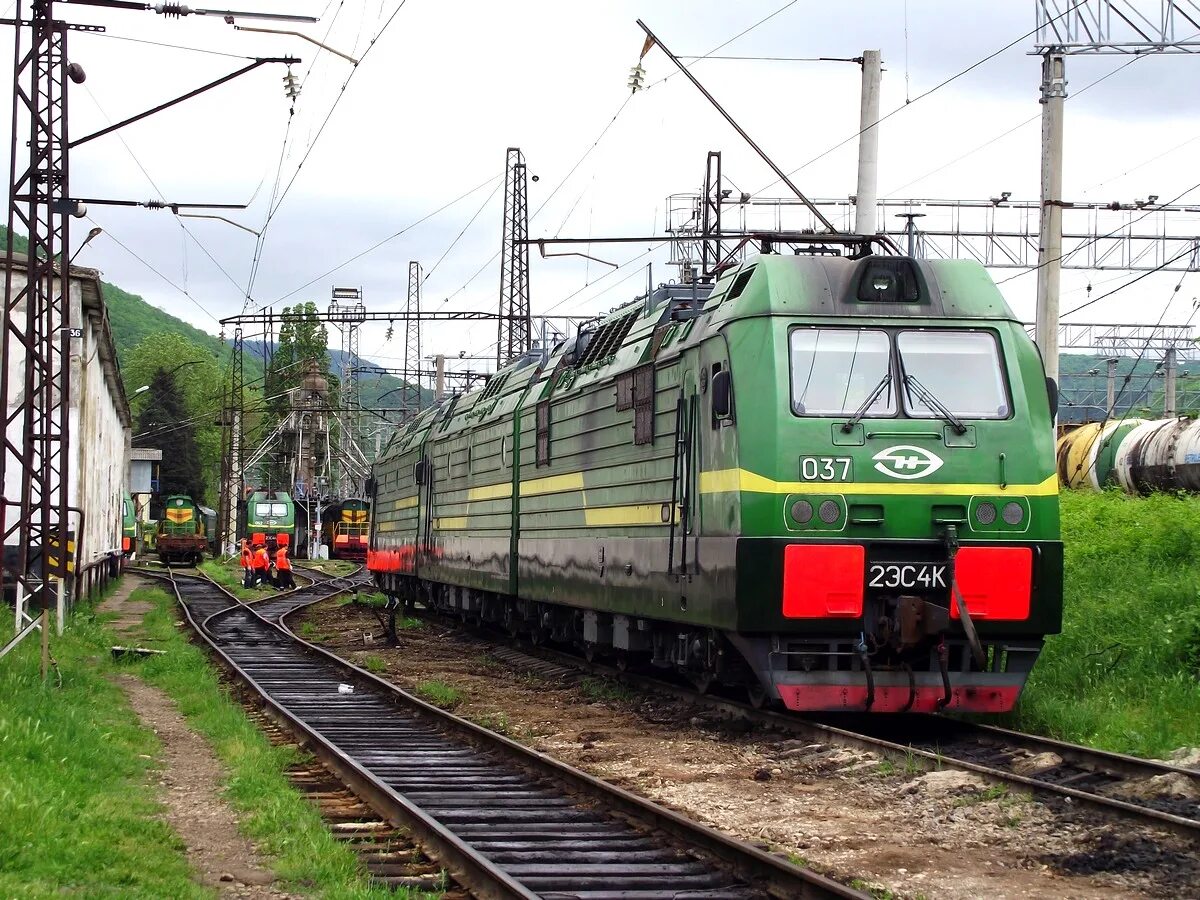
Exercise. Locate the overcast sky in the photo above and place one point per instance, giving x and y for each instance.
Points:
(427, 116)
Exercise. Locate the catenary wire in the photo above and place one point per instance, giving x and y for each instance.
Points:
(1015, 128)
(933, 90)
(379, 244)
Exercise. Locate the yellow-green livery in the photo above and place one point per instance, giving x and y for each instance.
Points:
(829, 479)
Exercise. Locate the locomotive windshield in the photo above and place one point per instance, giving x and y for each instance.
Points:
(942, 374)
(960, 370)
(836, 370)
(270, 510)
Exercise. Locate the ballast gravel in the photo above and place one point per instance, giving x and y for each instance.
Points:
(879, 823)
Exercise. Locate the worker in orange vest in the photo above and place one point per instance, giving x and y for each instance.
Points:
(262, 563)
(247, 565)
(283, 569)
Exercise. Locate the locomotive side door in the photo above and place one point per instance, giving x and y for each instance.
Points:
(682, 554)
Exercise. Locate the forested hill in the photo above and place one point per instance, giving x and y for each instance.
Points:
(133, 320)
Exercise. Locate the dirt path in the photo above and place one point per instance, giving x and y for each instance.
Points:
(191, 779)
(129, 612)
(942, 835)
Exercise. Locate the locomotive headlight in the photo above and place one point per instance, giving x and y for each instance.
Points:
(802, 511)
(829, 512)
(1012, 513)
(985, 513)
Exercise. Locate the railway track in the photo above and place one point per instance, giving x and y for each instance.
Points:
(1113, 782)
(506, 821)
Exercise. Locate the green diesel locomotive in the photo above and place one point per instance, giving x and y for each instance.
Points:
(828, 479)
(181, 534)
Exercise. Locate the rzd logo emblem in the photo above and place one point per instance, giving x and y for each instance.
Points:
(907, 462)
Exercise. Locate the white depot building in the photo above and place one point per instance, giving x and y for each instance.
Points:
(99, 419)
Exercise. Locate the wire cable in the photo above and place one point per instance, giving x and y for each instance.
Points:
(133, 40)
(158, 190)
(933, 90)
(1129, 283)
(1015, 128)
(1150, 209)
(329, 115)
(1128, 378)
(722, 46)
(108, 234)
(378, 244)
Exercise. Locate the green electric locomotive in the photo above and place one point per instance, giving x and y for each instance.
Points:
(828, 479)
(270, 516)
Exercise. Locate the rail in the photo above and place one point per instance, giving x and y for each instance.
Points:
(507, 821)
(1110, 781)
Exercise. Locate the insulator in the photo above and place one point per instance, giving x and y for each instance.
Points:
(637, 75)
(290, 86)
(155, 204)
(172, 10)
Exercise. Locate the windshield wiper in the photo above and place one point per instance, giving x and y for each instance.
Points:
(868, 403)
(925, 396)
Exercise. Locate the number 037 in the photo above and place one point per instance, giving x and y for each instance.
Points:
(825, 468)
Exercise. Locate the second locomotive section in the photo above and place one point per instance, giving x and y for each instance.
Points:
(829, 480)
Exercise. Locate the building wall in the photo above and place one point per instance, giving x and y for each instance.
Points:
(99, 436)
(98, 424)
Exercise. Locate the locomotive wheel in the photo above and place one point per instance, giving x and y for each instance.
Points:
(757, 695)
(512, 624)
(702, 681)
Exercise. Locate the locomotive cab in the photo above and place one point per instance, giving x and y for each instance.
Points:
(898, 499)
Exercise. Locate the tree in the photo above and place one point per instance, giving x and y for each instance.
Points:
(196, 382)
(302, 336)
(164, 424)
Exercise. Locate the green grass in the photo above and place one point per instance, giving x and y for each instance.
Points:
(1123, 674)
(439, 693)
(374, 664)
(987, 795)
(77, 814)
(498, 722)
(271, 812)
(228, 574)
(597, 689)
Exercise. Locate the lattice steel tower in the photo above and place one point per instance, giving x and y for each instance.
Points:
(515, 329)
(34, 394)
(411, 394)
(347, 311)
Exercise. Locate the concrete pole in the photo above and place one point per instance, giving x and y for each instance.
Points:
(868, 145)
(439, 384)
(1111, 399)
(234, 488)
(1054, 92)
(45, 626)
(1169, 387)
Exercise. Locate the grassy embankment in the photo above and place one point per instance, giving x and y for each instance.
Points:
(1125, 673)
(76, 804)
(76, 809)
